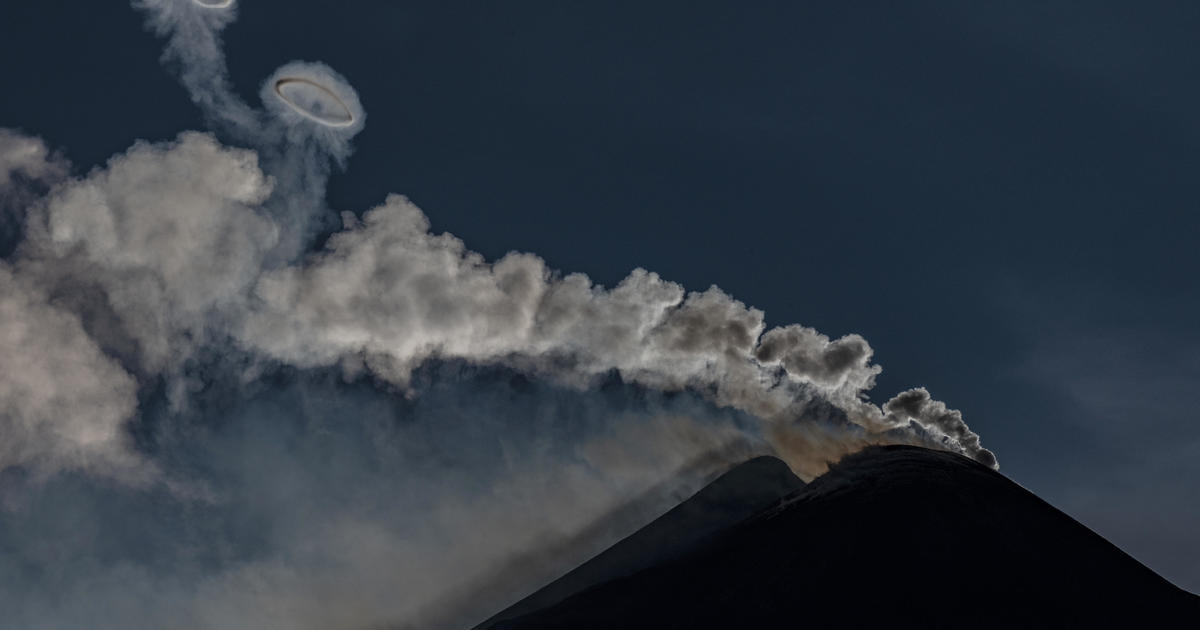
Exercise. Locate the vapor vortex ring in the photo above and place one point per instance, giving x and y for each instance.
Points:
(314, 101)
(213, 4)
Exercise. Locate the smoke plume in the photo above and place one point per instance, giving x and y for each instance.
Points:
(208, 423)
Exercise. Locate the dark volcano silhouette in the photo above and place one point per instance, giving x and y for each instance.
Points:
(893, 535)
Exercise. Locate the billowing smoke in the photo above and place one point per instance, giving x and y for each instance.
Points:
(207, 422)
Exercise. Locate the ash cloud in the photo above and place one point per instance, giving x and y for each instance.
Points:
(231, 418)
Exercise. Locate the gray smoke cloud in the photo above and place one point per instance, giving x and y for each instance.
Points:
(26, 160)
(391, 430)
(27, 170)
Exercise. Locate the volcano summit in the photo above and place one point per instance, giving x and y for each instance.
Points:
(897, 536)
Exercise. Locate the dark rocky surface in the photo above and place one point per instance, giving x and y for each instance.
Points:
(896, 536)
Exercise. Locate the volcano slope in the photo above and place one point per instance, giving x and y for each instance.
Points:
(895, 535)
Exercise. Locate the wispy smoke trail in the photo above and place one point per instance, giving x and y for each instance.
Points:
(235, 419)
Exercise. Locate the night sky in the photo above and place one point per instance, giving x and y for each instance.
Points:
(1000, 197)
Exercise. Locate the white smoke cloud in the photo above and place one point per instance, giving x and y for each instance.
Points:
(167, 295)
(63, 403)
(389, 293)
(168, 233)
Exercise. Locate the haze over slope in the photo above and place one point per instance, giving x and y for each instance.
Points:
(734, 496)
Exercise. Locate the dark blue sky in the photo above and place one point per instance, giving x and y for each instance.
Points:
(1000, 197)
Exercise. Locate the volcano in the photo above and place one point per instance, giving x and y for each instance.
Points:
(894, 535)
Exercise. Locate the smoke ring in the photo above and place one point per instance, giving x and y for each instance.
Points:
(295, 91)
